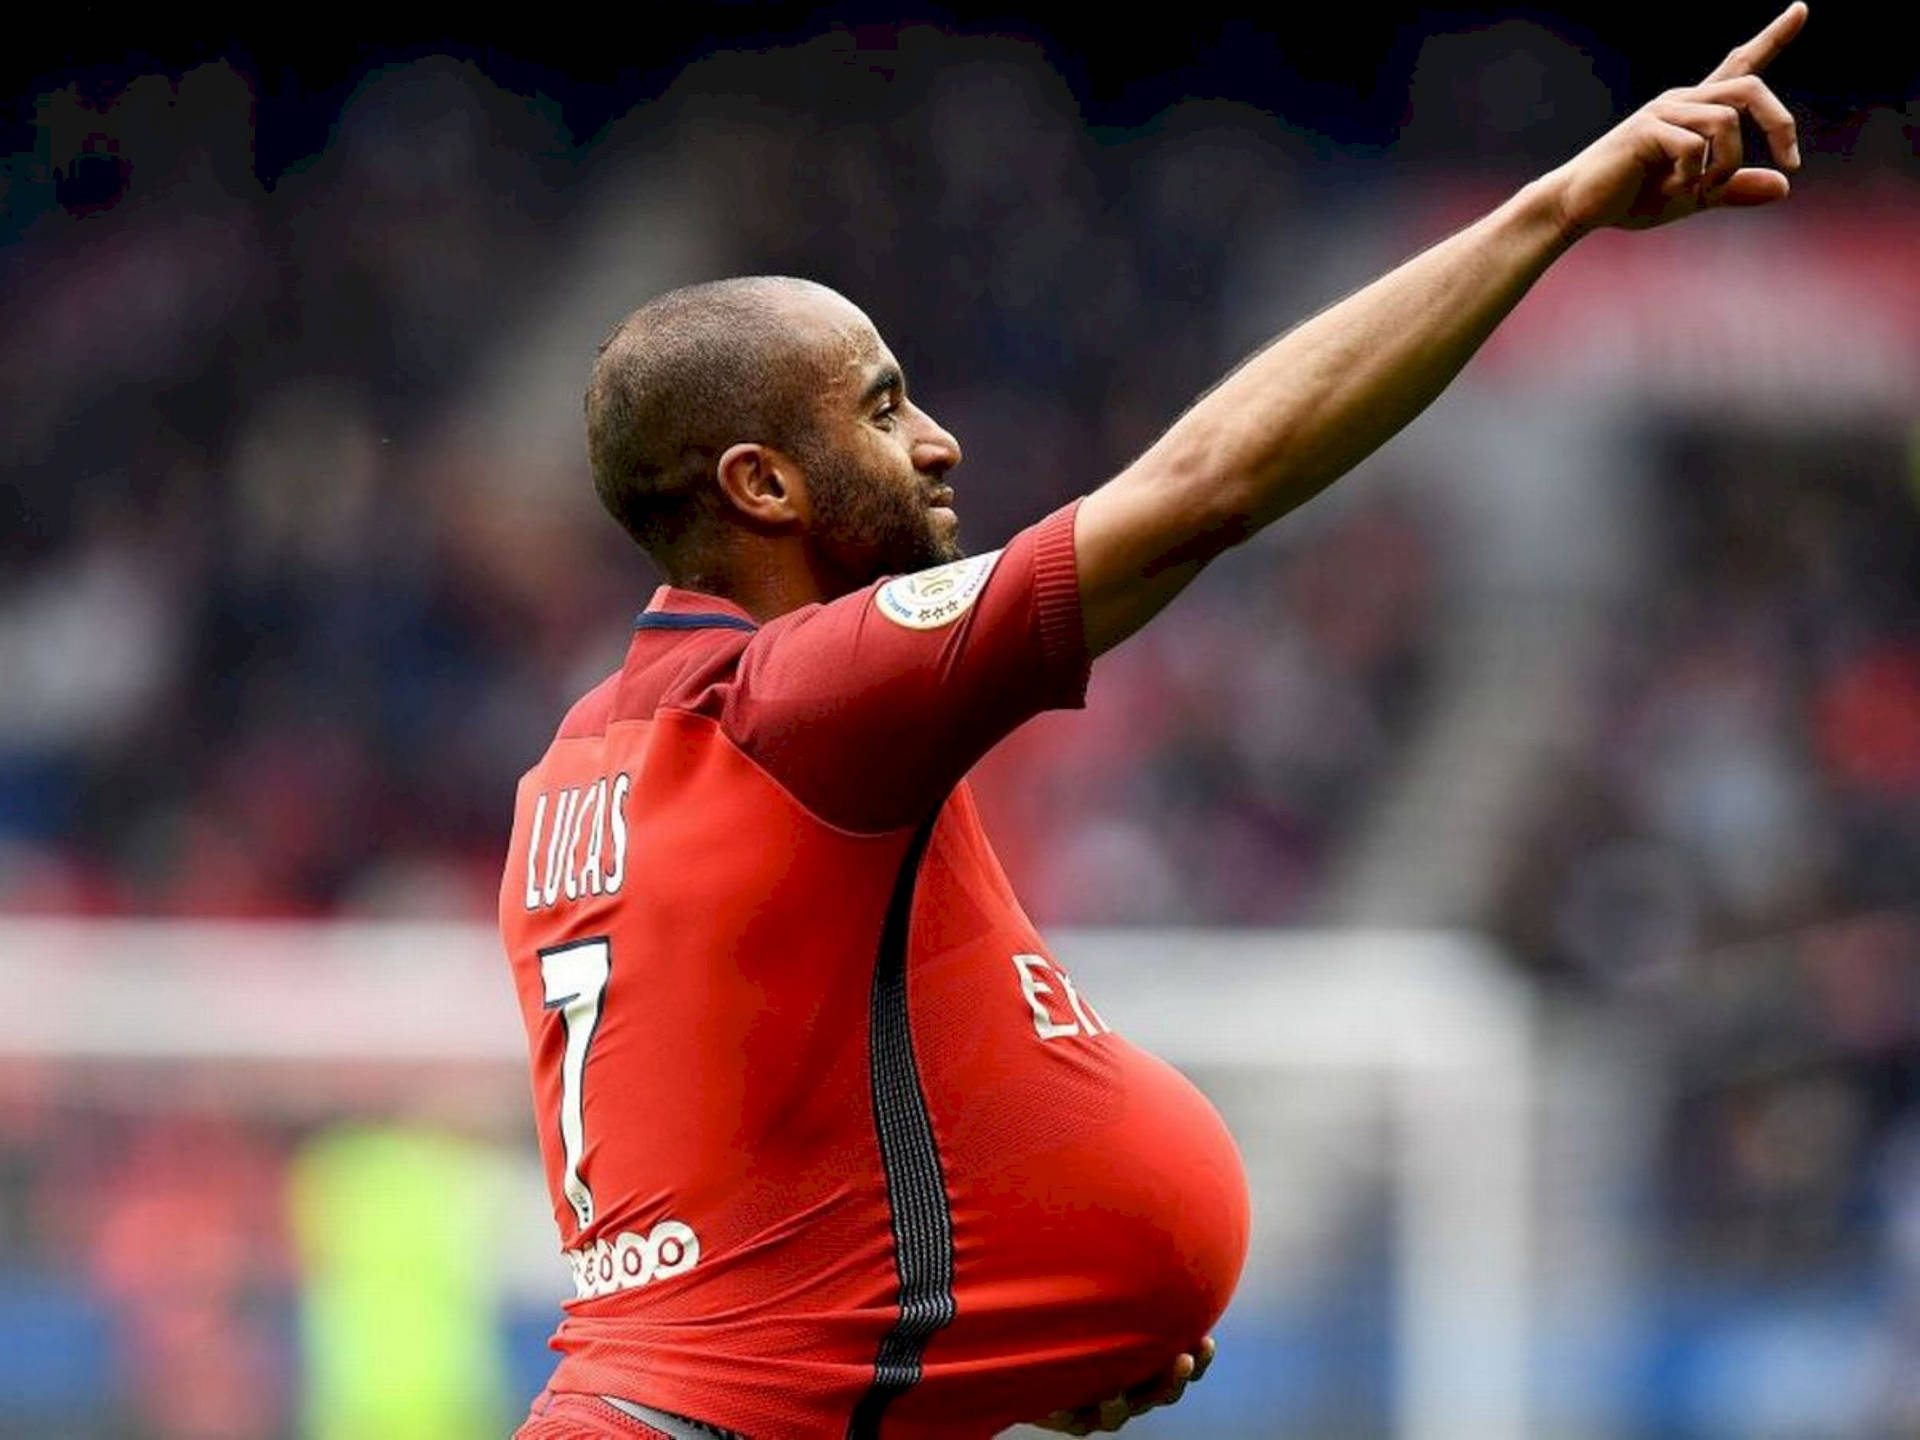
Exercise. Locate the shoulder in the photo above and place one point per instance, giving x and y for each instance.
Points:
(902, 606)
(678, 669)
(590, 713)
(692, 668)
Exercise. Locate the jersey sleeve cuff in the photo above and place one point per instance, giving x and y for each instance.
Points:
(1056, 592)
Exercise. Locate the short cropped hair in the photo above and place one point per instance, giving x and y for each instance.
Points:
(681, 379)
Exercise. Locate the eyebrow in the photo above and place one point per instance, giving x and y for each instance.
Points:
(885, 383)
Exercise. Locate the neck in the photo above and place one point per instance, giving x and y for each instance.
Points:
(768, 577)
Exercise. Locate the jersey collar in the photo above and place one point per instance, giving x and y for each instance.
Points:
(674, 609)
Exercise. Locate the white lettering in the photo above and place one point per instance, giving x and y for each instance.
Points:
(533, 849)
(631, 1260)
(579, 813)
(573, 840)
(563, 811)
(619, 813)
(1033, 987)
(1089, 1017)
(675, 1249)
(590, 868)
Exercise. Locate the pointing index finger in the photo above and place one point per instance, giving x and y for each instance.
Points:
(1759, 52)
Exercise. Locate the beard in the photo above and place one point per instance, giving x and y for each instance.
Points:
(871, 524)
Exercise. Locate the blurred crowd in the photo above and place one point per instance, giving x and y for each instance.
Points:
(1733, 846)
(1752, 766)
(271, 652)
(252, 661)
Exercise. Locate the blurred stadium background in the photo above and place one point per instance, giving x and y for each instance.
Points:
(1521, 842)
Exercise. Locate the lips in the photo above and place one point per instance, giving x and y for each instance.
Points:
(940, 495)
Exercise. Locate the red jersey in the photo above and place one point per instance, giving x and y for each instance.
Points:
(836, 1148)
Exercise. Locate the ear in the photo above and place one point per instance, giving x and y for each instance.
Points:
(762, 486)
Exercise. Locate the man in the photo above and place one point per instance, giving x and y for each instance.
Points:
(836, 1147)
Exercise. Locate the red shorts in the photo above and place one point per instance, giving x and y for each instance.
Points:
(566, 1415)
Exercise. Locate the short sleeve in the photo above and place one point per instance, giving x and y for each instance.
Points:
(871, 708)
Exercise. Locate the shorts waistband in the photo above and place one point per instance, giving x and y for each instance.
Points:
(678, 1426)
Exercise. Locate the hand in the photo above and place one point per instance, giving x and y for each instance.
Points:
(1111, 1414)
(1681, 152)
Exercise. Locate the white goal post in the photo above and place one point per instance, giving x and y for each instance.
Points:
(1446, 1027)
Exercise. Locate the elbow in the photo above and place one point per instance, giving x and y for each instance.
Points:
(1223, 495)
(1211, 511)
(1227, 488)
(1225, 524)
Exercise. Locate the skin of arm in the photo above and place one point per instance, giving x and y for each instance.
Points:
(1318, 400)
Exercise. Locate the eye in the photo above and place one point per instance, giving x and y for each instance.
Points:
(883, 417)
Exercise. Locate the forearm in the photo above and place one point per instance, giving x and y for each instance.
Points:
(1317, 401)
(1302, 412)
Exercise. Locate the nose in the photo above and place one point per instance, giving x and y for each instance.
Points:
(935, 451)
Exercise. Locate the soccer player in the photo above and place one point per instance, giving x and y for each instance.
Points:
(837, 1147)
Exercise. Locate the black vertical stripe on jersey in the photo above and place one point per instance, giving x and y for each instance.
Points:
(916, 1188)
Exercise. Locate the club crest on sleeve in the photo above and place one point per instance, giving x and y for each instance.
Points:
(928, 599)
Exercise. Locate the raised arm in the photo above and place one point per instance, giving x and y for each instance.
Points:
(1310, 406)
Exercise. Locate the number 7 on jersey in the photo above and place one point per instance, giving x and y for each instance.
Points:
(573, 978)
